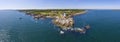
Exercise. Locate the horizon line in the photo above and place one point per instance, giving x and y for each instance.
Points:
(60, 8)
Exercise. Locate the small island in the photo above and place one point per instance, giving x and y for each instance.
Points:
(61, 17)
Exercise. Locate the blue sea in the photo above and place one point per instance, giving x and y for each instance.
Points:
(105, 27)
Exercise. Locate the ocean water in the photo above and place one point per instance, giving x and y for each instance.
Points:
(105, 27)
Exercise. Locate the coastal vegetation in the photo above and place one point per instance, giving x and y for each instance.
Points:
(53, 12)
(62, 17)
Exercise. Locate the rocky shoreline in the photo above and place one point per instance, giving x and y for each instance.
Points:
(63, 19)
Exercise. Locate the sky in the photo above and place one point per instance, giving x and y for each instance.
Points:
(59, 4)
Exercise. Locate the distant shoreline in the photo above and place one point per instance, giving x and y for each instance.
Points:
(52, 13)
(80, 13)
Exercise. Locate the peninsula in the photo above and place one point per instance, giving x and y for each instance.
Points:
(61, 17)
